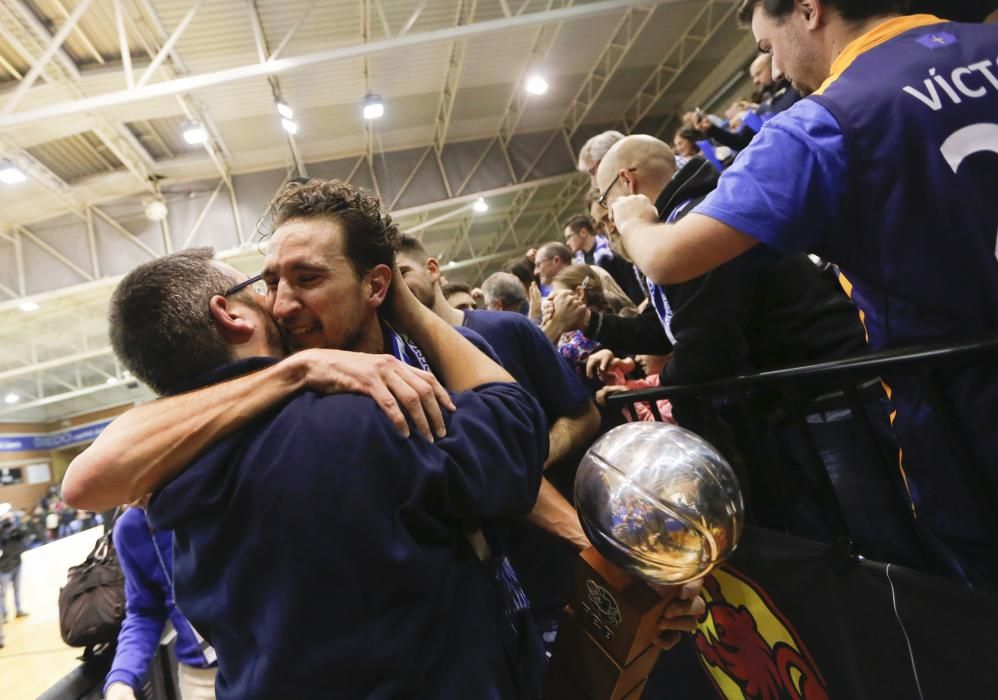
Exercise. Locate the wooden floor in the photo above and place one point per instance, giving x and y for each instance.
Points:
(35, 657)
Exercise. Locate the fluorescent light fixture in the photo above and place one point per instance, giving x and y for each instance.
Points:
(374, 107)
(285, 110)
(11, 398)
(290, 126)
(195, 133)
(155, 209)
(480, 205)
(28, 306)
(537, 85)
(10, 174)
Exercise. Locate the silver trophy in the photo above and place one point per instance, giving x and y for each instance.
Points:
(659, 502)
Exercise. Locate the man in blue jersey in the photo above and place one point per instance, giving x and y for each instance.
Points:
(889, 171)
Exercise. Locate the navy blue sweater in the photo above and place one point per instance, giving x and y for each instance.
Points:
(325, 556)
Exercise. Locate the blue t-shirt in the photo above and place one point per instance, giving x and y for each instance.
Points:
(786, 188)
(532, 359)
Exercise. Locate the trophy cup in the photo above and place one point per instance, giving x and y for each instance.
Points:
(660, 505)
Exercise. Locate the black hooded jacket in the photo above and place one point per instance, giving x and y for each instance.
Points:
(759, 311)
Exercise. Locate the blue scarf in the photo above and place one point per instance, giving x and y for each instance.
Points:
(403, 349)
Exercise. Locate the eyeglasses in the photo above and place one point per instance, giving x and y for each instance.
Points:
(602, 198)
(252, 281)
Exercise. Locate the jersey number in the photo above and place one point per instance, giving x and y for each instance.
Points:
(967, 141)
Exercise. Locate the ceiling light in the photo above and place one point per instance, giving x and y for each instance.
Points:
(480, 205)
(285, 110)
(195, 133)
(10, 174)
(155, 209)
(290, 126)
(11, 398)
(374, 108)
(28, 306)
(537, 85)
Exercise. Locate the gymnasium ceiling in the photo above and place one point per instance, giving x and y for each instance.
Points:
(95, 94)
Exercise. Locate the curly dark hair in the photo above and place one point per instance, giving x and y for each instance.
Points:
(850, 10)
(370, 234)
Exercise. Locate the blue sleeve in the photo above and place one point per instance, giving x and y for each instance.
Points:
(786, 188)
(145, 601)
(488, 466)
(559, 390)
(479, 342)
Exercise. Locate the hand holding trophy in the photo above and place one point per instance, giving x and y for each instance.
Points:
(661, 507)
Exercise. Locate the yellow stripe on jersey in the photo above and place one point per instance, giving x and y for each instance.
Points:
(847, 286)
(872, 39)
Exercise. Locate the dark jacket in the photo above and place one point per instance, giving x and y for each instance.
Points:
(759, 311)
(324, 555)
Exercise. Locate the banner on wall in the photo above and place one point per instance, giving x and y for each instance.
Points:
(40, 442)
(790, 619)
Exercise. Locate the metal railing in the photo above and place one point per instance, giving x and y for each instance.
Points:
(738, 414)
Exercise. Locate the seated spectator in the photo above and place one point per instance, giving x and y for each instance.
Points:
(459, 296)
(504, 292)
(146, 557)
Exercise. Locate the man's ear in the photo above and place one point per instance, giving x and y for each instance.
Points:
(230, 320)
(433, 269)
(376, 284)
(630, 181)
(813, 12)
(496, 305)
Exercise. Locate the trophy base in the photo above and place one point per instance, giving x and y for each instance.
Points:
(605, 647)
(582, 668)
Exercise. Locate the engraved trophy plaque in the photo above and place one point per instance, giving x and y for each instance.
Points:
(660, 505)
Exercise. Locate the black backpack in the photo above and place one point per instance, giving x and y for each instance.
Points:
(92, 603)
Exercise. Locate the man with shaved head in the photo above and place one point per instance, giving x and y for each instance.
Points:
(757, 312)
